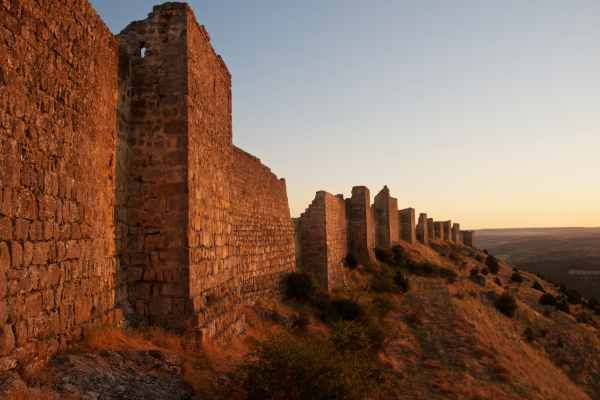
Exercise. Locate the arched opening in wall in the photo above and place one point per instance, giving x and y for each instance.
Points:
(143, 51)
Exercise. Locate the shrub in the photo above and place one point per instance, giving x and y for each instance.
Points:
(485, 271)
(298, 286)
(584, 318)
(299, 322)
(401, 282)
(547, 300)
(573, 296)
(529, 334)
(382, 306)
(332, 311)
(485, 252)
(516, 277)
(385, 256)
(351, 261)
(493, 264)
(563, 305)
(537, 286)
(479, 258)
(474, 272)
(356, 336)
(506, 304)
(498, 281)
(288, 367)
(383, 282)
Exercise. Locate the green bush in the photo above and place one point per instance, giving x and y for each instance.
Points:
(506, 304)
(334, 310)
(492, 264)
(537, 286)
(384, 255)
(401, 282)
(563, 305)
(547, 300)
(573, 296)
(298, 286)
(286, 367)
(516, 277)
(382, 305)
(351, 261)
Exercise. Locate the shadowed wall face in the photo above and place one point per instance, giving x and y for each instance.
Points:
(456, 233)
(408, 225)
(386, 224)
(447, 229)
(58, 121)
(423, 229)
(360, 224)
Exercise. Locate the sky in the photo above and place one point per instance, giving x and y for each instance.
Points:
(484, 112)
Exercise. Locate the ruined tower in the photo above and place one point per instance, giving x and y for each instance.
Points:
(407, 222)
(423, 229)
(386, 224)
(360, 224)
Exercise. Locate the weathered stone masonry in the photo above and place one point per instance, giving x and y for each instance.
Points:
(120, 188)
(326, 232)
(58, 121)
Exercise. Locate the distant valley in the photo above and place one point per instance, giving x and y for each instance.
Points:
(570, 256)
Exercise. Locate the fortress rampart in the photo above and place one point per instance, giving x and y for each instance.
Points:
(122, 196)
(328, 236)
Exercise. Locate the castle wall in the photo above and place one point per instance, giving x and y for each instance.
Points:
(58, 122)
(455, 233)
(439, 230)
(324, 240)
(387, 231)
(447, 229)
(423, 229)
(360, 224)
(153, 90)
(262, 235)
(468, 238)
(407, 221)
(431, 229)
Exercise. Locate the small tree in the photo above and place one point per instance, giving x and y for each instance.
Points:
(493, 264)
(506, 304)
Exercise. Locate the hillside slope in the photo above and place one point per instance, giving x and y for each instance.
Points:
(444, 338)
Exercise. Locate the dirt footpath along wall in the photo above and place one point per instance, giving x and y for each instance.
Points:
(58, 123)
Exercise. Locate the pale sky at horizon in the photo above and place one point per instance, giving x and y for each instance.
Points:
(483, 112)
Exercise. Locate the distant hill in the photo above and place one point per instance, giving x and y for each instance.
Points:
(570, 256)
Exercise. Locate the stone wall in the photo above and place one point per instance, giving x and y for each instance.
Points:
(468, 238)
(423, 229)
(207, 225)
(447, 229)
(360, 224)
(58, 123)
(386, 224)
(431, 229)
(407, 222)
(154, 118)
(324, 240)
(262, 235)
(455, 232)
(439, 230)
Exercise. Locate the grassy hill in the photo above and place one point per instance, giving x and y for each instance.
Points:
(421, 323)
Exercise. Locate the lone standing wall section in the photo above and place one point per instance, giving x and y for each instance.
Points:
(360, 224)
(386, 224)
(58, 122)
(423, 229)
(408, 225)
(447, 229)
(324, 240)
